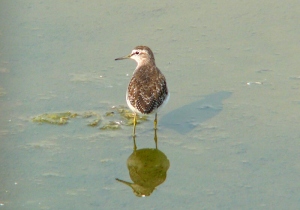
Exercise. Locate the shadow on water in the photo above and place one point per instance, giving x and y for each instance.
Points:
(186, 118)
(147, 169)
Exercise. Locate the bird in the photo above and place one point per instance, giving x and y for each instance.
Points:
(147, 91)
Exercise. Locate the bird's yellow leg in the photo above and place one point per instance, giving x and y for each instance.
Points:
(134, 124)
(155, 122)
(155, 129)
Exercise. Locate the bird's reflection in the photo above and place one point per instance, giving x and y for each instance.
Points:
(147, 169)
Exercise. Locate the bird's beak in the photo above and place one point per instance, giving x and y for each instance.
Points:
(122, 58)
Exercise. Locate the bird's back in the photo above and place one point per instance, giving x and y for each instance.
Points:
(147, 89)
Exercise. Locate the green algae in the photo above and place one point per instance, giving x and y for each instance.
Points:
(113, 119)
(55, 118)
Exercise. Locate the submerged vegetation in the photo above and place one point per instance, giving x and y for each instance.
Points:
(54, 118)
(111, 120)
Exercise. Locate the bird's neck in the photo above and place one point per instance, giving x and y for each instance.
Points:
(150, 62)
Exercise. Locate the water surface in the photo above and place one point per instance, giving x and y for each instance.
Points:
(59, 56)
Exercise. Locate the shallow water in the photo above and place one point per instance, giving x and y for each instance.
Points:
(59, 56)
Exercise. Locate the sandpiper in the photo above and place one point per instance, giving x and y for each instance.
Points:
(147, 91)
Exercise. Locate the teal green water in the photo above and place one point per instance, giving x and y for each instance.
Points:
(241, 154)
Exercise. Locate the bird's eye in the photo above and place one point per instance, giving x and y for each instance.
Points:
(137, 52)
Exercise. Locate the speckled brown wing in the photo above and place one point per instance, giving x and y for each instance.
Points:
(147, 89)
